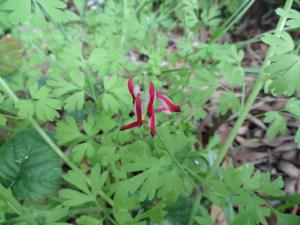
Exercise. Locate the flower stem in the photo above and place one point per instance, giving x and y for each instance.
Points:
(49, 141)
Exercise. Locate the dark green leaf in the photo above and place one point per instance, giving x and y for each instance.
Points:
(29, 166)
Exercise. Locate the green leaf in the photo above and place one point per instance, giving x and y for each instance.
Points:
(26, 108)
(292, 15)
(76, 179)
(123, 204)
(75, 101)
(29, 166)
(82, 149)
(282, 44)
(287, 219)
(21, 10)
(10, 55)
(97, 179)
(271, 187)
(55, 215)
(110, 103)
(74, 86)
(293, 106)
(68, 131)
(286, 68)
(277, 122)
(87, 220)
(42, 104)
(80, 4)
(74, 198)
(227, 101)
(234, 75)
(204, 218)
(179, 212)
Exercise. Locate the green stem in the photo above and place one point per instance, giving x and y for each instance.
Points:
(177, 163)
(233, 19)
(255, 91)
(49, 141)
(195, 208)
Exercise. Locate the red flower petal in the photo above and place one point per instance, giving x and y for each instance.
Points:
(138, 106)
(130, 125)
(150, 107)
(172, 107)
(153, 123)
(131, 89)
(163, 109)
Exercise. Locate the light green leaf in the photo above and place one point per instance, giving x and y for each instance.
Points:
(26, 108)
(68, 131)
(87, 220)
(287, 219)
(80, 4)
(293, 106)
(75, 101)
(76, 179)
(281, 45)
(56, 214)
(97, 179)
(110, 103)
(277, 122)
(227, 101)
(21, 10)
(82, 149)
(74, 198)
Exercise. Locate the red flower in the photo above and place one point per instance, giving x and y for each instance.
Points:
(166, 106)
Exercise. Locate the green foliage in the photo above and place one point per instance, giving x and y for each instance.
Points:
(28, 166)
(285, 63)
(277, 122)
(239, 187)
(71, 78)
(41, 104)
(21, 11)
(228, 101)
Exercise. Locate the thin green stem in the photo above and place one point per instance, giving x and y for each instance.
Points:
(259, 36)
(255, 91)
(177, 163)
(10, 116)
(50, 142)
(233, 19)
(195, 208)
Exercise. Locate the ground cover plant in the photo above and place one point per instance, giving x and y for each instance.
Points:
(140, 112)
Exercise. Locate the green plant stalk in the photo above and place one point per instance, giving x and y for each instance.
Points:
(233, 19)
(177, 163)
(255, 91)
(195, 207)
(49, 141)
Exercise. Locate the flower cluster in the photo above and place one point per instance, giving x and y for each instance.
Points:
(166, 106)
